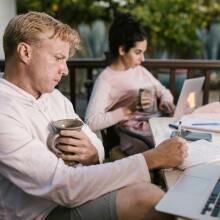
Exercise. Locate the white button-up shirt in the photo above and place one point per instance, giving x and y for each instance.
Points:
(33, 180)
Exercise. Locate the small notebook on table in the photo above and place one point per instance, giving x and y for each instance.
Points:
(200, 152)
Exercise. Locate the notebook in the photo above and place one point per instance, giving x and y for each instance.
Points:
(196, 195)
(200, 152)
(189, 97)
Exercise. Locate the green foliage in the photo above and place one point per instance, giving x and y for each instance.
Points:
(73, 12)
(171, 25)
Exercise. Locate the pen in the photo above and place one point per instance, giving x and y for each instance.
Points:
(179, 130)
(208, 123)
(173, 126)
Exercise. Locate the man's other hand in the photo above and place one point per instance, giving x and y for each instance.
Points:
(170, 153)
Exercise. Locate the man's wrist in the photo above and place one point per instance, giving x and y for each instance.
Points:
(151, 159)
(95, 158)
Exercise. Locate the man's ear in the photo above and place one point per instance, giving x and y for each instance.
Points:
(24, 52)
(121, 51)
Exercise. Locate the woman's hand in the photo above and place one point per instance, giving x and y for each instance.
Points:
(131, 108)
(166, 106)
(147, 99)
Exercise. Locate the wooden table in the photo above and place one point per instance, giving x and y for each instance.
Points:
(161, 132)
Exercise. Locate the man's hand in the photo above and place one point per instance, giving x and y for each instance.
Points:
(166, 107)
(76, 146)
(170, 153)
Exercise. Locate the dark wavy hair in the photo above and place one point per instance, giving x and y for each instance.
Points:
(125, 31)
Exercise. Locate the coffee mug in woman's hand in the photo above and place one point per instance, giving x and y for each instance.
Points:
(146, 100)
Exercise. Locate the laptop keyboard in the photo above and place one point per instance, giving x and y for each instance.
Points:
(212, 206)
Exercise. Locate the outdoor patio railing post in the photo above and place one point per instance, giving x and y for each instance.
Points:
(172, 83)
(72, 83)
(190, 74)
(206, 87)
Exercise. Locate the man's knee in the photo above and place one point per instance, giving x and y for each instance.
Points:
(147, 195)
(137, 200)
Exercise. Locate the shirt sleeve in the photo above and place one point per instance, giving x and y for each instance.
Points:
(161, 91)
(28, 164)
(96, 142)
(97, 116)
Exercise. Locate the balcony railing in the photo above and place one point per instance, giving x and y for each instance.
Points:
(192, 68)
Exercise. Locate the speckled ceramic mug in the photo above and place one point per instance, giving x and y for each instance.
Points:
(63, 124)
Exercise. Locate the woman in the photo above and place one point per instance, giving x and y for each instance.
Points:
(116, 89)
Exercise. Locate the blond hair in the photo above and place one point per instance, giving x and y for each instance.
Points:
(27, 27)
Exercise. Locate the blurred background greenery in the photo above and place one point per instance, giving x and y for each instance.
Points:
(175, 28)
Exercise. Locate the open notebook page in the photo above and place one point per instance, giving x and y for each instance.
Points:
(201, 152)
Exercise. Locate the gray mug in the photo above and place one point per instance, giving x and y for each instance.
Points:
(63, 124)
(147, 108)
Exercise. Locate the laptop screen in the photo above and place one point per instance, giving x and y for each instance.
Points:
(189, 96)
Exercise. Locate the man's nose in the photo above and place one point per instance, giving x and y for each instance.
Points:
(64, 70)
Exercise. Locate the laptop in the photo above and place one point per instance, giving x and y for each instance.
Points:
(189, 97)
(196, 195)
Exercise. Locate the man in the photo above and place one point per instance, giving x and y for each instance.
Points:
(35, 183)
